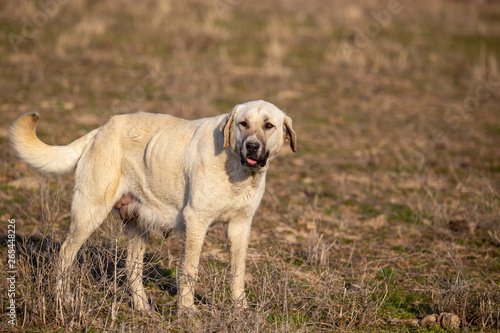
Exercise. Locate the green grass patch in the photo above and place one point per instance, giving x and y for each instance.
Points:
(398, 248)
(369, 210)
(400, 212)
(399, 303)
(386, 274)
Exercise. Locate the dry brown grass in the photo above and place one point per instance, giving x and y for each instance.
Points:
(389, 210)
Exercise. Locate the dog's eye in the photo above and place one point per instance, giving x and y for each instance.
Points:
(243, 123)
(269, 125)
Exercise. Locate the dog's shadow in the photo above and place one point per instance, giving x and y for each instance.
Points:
(100, 263)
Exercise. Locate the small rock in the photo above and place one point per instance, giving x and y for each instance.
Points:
(393, 321)
(410, 322)
(449, 320)
(429, 321)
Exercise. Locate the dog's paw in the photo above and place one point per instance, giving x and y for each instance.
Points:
(240, 304)
(144, 308)
(189, 311)
(64, 298)
(241, 308)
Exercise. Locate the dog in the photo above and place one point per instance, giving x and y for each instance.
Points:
(164, 173)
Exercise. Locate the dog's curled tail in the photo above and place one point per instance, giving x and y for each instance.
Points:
(40, 156)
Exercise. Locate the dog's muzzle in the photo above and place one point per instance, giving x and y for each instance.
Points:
(252, 156)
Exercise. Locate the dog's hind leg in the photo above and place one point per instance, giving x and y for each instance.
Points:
(86, 217)
(97, 181)
(137, 243)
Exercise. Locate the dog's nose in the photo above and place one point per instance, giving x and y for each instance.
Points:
(252, 147)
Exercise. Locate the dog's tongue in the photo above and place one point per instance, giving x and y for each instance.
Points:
(250, 161)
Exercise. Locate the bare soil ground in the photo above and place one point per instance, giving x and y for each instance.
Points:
(389, 211)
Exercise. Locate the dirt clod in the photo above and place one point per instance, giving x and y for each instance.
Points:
(429, 321)
(445, 320)
(449, 320)
(410, 322)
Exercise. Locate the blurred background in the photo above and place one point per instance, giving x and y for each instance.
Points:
(394, 190)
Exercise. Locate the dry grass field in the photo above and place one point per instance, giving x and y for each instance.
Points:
(389, 211)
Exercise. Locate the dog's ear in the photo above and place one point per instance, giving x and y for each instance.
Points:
(290, 133)
(226, 127)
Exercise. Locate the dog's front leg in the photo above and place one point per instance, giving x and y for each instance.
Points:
(238, 235)
(194, 236)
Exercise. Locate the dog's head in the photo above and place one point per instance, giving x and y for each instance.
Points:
(257, 131)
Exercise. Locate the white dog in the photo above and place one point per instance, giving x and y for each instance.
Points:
(164, 173)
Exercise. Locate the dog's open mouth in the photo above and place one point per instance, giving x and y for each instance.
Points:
(253, 162)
